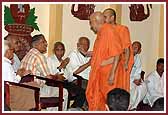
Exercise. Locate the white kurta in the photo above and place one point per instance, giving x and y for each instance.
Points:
(53, 63)
(77, 60)
(155, 87)
(8, 73)
(137, 93)
(16, 63)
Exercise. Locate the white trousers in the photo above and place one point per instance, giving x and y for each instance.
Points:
(137, 94)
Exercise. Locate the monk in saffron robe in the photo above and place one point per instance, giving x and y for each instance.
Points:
(127, 58)
(105, 58)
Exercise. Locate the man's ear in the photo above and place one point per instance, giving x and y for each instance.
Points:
(139, 51)
(112, 18)
(78, 44)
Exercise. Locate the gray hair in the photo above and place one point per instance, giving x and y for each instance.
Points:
(36, 39)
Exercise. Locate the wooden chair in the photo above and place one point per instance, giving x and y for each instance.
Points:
(11, 89)
(52, 101)
(45, 102)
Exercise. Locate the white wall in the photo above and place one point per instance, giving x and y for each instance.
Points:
(147, 32)
(42, 11)
(73, 28)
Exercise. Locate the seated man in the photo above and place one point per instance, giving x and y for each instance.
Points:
(8, 74)
(36, 61)
(56, 65)
(137, 87)
(8, 70)
(15, 45)
(155, 87)
(118, 100)
(80, 62)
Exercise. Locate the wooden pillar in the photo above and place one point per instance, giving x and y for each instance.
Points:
(55, 25)
(161, 33)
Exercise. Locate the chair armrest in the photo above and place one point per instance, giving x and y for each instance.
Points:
(23, 85)
(78, 76)
(79, 79)
(36, 94)
(51, 82)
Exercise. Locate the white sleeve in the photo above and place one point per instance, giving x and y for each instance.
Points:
(72, 66)
(49, 63)
(10, 75)
(138, 66)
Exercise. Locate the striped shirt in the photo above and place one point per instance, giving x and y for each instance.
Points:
(36, 62)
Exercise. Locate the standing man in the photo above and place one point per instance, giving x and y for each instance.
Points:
(106, 52)
(127, 55)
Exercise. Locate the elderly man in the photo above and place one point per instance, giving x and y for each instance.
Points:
(106, 52)
(79, 61)
(137, 87)
(37, 63)
(127, 56)
(8, 74)
(8, 70)
(15, 45)
(57, 64)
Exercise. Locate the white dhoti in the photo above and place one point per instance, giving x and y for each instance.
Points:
(137, 94)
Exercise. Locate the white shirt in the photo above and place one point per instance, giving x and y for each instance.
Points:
(16, 63)
(155, 87)
(8, 71)
(136, 69)
(53, 63)
(77, 60)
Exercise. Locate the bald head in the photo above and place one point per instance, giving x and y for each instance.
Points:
(98, 16)
(110, 15)
(83, 44)
(14, 42)
(96, 21)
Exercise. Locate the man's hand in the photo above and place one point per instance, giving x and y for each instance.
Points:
(108, 61)
(137, 82)
(89, 53)
(111, 78)
(23, 72)
(126, 66)
(56, 77)
(64, 63)
(60, 77)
